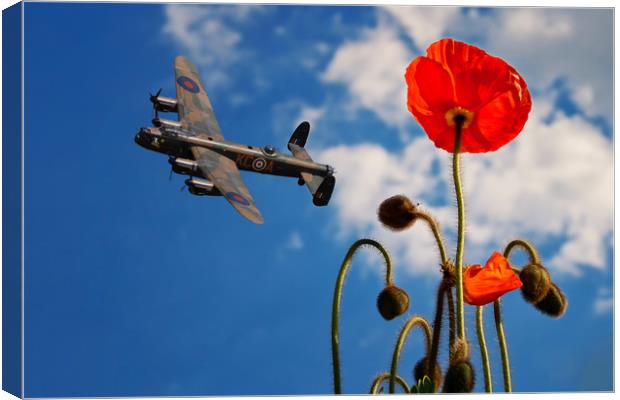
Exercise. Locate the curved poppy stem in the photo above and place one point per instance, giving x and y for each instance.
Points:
(499, 327)
(385, 376)
(338, 294)
(524, 245)
(484, 354)
(414, 320)
(432, 223)
(460, 312)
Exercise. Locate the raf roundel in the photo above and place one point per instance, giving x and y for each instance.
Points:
(259, 164)
(237, 198)
(188, 84)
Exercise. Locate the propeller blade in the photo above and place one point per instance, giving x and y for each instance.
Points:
(154, 96)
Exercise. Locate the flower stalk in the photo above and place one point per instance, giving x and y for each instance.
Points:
(337, 298)
(413, 321)
(434, 350)
(484, 354)
(451, 316)
(499, 327)
(385, 376)
(432, 223)
(460, 317)
(524, 245)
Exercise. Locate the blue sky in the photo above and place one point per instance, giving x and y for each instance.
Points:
(136, 288)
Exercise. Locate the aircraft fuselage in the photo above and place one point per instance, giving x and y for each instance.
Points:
(265, 160)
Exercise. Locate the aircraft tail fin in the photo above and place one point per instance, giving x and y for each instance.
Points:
(323, 192)
(320, 187)
(300, 135)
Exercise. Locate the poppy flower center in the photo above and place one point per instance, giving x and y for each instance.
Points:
(459, 114)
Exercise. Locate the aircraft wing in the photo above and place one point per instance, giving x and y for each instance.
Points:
(224, 174)
(195, 109)
(196, 113)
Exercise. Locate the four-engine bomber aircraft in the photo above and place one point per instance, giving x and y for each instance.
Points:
(196, 148)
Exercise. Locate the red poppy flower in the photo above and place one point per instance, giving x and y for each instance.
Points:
(485, 285)
(455, 78)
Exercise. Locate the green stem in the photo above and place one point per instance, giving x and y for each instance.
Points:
(484, 354)
(499, 326)
(432, 223)
(338, 294)
(451, 317)
(502, 345)
(432, 357)
(385, 376)
(460, 312)
(524, 245)
(414, 320)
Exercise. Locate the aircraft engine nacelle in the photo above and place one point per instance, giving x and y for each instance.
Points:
(184, 166)
(165, 104)
(202, 187)
(166, 123)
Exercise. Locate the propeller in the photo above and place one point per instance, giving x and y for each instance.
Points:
(170, 161)
(185, 184)
(153, 98)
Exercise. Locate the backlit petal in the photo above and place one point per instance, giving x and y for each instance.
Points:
(456, 74)
(430, 88)
(485, 285)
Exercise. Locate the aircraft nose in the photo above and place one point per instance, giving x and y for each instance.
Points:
(140, 135)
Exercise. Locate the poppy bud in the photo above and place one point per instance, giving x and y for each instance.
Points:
(392, 302)
(397, 213)
(421, 369)
(459, 351)
(554, 303)
(460, 378)
(536, 283)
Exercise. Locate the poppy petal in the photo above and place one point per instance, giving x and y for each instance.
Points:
(457, 55)
(488, 78)
(430, 100)
(457, 75)
(501, 120)
(485, 285)
(436, 94)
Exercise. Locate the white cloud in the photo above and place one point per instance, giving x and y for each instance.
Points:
(372, 70)
(604, 302)
(547, 44)
(208, 33)
(311, 114)
(424, 25)
(553, 184)
(287, 115)
(543, 44)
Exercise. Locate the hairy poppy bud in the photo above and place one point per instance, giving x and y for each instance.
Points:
(536, 283)
(421, 369)
(459, 351)
(554, 303)
(392, 302)
(397, 213)
(460, 378)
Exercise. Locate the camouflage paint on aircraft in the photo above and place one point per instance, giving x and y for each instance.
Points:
(196, 114)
